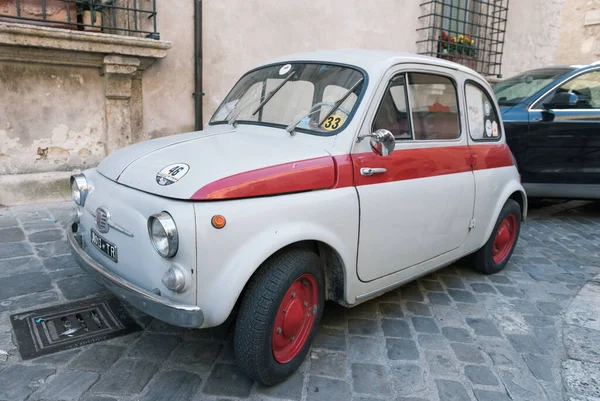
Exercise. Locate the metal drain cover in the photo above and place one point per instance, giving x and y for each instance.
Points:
(48, 330)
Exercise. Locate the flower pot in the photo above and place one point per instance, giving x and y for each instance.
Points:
(57, 13)
(87, 20)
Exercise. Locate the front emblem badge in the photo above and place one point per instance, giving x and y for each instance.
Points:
(102, 218)
(171, 174)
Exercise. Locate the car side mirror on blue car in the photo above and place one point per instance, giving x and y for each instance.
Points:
(563, 100)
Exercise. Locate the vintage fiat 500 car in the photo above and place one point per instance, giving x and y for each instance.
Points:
(323, 176)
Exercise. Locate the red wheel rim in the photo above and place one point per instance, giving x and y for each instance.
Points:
(505, 238)
(295, 318)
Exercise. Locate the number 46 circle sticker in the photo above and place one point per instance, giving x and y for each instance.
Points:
(333, 122)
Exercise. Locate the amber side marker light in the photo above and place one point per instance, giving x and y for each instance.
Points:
(218, 221)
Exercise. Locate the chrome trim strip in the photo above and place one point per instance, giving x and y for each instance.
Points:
(111, 224)
(161, 308)
(529, 109)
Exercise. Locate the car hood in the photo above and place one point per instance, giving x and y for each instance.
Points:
(221, 160)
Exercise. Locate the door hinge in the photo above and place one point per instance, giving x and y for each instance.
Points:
(472, 224)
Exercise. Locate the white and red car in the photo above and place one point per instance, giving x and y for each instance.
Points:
(335, 175)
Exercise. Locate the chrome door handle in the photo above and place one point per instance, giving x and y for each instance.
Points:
(371, 171)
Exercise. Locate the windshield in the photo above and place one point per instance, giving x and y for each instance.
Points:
(286, 94)
(521, 87)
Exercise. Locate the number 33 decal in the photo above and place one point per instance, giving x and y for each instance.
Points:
(333, 123)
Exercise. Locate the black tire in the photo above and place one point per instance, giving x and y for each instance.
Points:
(483, 260)
(253, 337)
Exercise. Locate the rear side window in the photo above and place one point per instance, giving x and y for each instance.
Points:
(434, 107)
(481, 114)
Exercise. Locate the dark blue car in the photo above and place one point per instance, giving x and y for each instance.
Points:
(552, 122)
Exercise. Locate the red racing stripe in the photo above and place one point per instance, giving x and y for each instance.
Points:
(344, 171)
(302, 175)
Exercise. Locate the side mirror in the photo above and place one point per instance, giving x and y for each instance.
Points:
(382, 142)
(563, 100)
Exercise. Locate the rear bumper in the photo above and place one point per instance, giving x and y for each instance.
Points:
(143, 300)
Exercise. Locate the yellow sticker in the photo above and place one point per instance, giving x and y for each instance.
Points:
(333, 122)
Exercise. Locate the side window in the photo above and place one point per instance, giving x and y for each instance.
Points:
(585, 86)
(393, 111)
(481, 114)
(434, 107)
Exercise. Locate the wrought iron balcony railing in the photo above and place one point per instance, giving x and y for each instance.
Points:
(121, 17)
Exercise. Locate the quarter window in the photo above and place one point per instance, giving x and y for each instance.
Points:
(393, 111)
(434, 107)
(484, 123)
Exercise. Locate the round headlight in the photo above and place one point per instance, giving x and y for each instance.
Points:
(79, 188)
(163, 234)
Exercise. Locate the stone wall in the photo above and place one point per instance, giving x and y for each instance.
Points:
(580, 32)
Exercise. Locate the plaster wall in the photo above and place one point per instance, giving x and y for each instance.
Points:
(580, 32)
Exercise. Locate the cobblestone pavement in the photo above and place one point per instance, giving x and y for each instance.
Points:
(453, 335)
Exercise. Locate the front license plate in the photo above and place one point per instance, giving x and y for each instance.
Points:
(104, 246)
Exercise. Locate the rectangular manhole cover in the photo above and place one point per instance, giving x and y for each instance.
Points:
(56, 328)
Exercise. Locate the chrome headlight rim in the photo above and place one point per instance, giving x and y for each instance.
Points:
(82, 187)
(170, 228)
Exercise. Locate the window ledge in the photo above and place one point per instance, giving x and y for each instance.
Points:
(29, 43)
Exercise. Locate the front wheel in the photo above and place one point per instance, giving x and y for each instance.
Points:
(496, 252)
(279, 315)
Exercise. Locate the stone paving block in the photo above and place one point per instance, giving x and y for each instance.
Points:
(512, 323)
(33, 213)
(582, 344)
(389, 309)
(433, 342)
(173, 385)
(57, 359)
(525, 344)
(418, 309)
(325, 363)
(79, 287)
(17, 382)
(477, 310)
(127, 377)
(158, 326)
(198, 356)
(331, 339)
(334, 315)
(457, 334)
(395, 328)
(441, 363)
(483, 327)
(432, 285)
(409, 379)
(526, 307)
(51, 249)
(510, 291)
(46, 236)
(582, 379)
(23, 284)
(290, 389)
(520, 385)
(98, 358)
(462, 296)
(401, 349)
(365, 349)
(450, 390)
(452, 282)
(539, 320)
(68, 385)
(6, 222)
(483, 288)
(14, 234)
(367, 310)
(503, 355)
(11, 267)
(467, 353)
(62, 262)
(540, 366)
(411, 293)
(480, 374)
(448, 316)
(499, 279)
(370, 379)
(154, 347)
(227, 380)
(425, 325)
(365, 327)
(92, 397)
(326, 389)
(485, 395)
(439, 298)
(15, 250)
(30, 301)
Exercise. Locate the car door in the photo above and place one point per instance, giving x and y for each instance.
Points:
(419, 202)
(563, 143)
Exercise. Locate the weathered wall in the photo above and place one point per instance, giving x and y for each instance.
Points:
(580, 32)
(168, 85)
(51, 119)
(532, 35)
(239, 34)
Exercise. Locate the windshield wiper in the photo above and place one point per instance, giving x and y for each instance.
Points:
(340, 101)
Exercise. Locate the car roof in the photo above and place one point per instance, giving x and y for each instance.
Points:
(372, 61)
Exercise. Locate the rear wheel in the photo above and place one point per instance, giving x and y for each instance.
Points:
(279, 315)
(495, 254)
